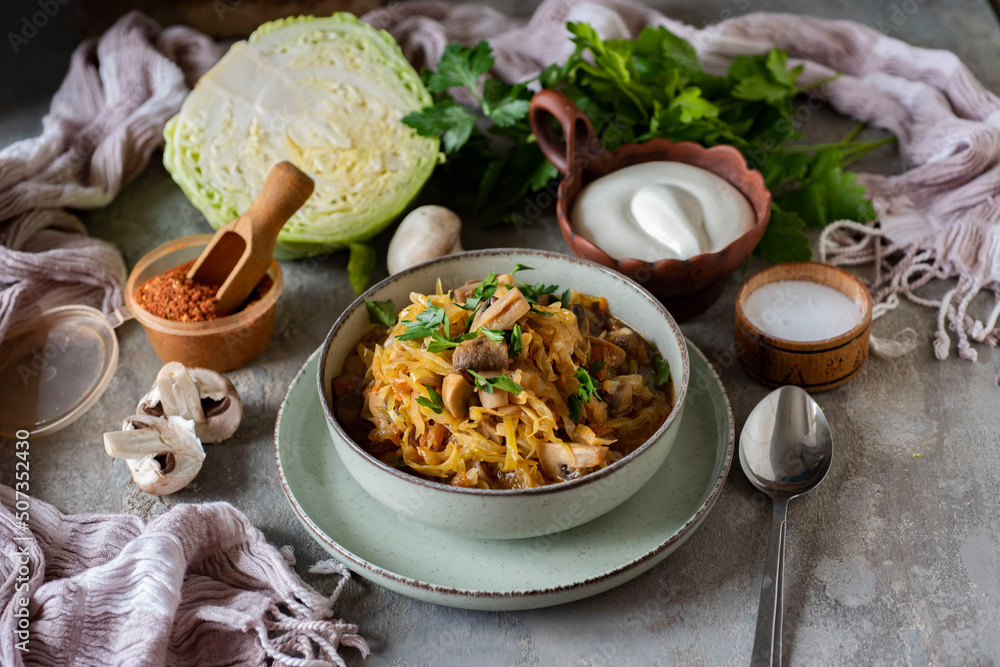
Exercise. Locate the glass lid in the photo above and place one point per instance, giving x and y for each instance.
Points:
(53, 368)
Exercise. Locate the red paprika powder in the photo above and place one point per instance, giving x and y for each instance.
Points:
(173, 296)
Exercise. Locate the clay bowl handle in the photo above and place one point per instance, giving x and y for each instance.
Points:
(581, 148)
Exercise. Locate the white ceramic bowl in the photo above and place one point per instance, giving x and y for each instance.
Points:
(505, 514)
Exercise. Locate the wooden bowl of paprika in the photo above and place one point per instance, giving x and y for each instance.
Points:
(203, 340)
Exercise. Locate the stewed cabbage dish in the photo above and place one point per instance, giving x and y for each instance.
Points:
(501, 384)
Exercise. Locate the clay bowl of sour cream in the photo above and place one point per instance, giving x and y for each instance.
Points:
(677, 218)
(803, 323)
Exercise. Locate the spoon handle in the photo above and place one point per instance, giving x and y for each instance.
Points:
(767, 640)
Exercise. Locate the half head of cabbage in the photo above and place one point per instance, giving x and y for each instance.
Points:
(327, 94)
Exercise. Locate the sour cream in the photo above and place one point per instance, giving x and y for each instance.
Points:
(661, 210)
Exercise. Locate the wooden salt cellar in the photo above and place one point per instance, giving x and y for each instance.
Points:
(813, 365)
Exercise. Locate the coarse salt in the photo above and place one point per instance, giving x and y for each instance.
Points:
(801, 310)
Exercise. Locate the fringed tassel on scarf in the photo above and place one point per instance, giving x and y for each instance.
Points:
(901, 271)
(303, 632)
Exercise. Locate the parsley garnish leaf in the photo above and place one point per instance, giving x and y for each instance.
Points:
(509, 110)
(661, 371)
(440, 342)
(481, 382)
(500, 382)
(532, 293)
(575, 407)
(784, 239)
(494, 335)
(516, 342)
(381, 312)
(504, 382)
(427, 322)
(450, 120)
(585, 390)
(434, 402)
(483, 291)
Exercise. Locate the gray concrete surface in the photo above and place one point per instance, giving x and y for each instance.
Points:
(893, 561)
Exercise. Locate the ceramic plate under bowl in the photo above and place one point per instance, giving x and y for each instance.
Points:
(448, 569)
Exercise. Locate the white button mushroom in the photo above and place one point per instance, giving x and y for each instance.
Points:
(569, 460)
(503, 312)
(203, 396)
(426, 233)
(162, 453)
(497, 398)
(456, 392)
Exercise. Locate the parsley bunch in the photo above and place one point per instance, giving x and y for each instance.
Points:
(635, 90)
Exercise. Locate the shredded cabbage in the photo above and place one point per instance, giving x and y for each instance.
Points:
(509, 446)
(327, 94)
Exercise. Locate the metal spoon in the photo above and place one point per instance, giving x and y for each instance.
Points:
(785, 451)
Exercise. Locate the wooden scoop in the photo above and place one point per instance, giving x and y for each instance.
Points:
(239, 254)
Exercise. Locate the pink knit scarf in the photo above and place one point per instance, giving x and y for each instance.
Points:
(197, 586)
(105, 121)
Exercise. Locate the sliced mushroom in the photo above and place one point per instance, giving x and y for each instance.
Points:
(477, 472)
(498, 398)
(608, 353)
(598, 317)
(205, 397)
(486, 303)
(504, 312)
(618, 396)
(355, 366)
(162, 453)
(597, 411)
(348, 409)
(461, 294)
(481, 354)
(488, 429)
(569, 460)
(455, 394)
(586, 435)
(582, 320)
(632, 343)
(343, 385)
(589, 317)
(426, 233)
